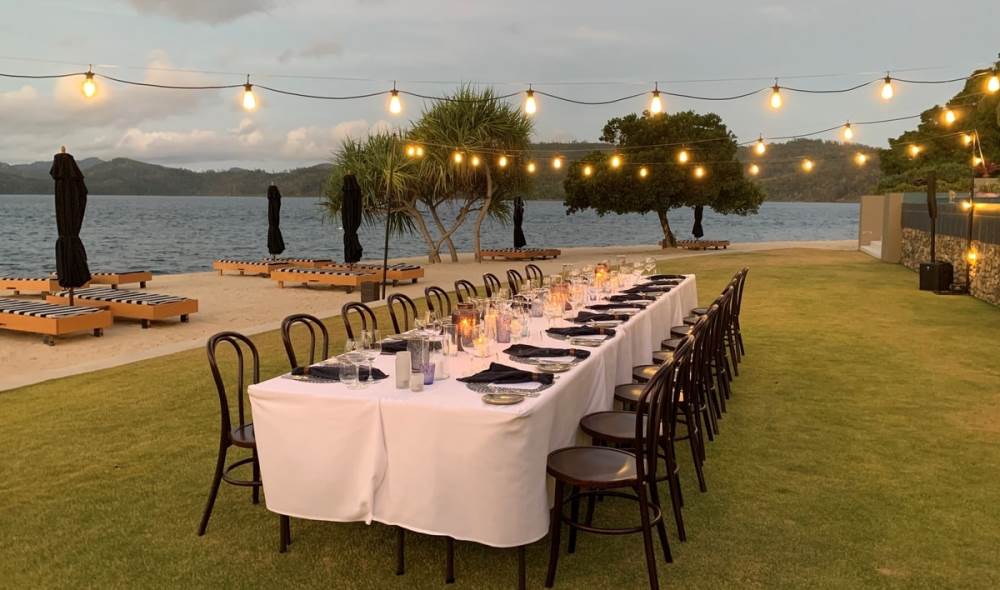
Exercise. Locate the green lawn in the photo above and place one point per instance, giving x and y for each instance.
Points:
(861, 449)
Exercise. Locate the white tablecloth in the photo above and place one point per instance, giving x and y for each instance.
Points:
(441, 461)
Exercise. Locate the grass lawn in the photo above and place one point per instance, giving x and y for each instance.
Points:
(861, 449)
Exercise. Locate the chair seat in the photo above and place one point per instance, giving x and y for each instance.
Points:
(671, 343)
(593, 466)
(629, 393)
(644, 373)
(243, 436)
(699, 311)
(663, 356)
(613, 426)
(680, 330)
(691, 320)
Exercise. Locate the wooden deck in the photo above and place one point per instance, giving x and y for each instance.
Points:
(136, 305)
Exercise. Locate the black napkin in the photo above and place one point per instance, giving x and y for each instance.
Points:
(663, 277)
(581, 331)
(498, 373)
(648, 289)
(670, 282)
(632, 297)
(526, 350)
(393, 346)
(584, 317)
(332, 372)
(607, 306)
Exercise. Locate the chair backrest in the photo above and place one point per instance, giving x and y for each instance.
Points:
(315, 326)
(515, 280)
(242, 347)
(465, 291)
(534, 274)
(694, 378)
(407, 309)
(438, 301)
(740, 284)
(491, 283)
(364, 313)
(655, 406)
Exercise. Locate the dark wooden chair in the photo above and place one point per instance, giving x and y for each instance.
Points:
(515, 280)
(365, 315)
(407, 311)
(492, 284)
(465, 291)
(534, 274)
(241, 435)
(315, 328)
(438, 301)
(605, 471)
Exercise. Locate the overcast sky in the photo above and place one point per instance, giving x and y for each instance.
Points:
(585, 49)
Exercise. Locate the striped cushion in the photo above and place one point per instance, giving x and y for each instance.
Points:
(369, 266)
(301, 260)
(325, 272)
(113, 274)
(123, 296)
(235, 261)
(35, 279)
(43, 310)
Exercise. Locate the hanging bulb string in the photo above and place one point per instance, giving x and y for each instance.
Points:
(462, 100)
(833, 91)
(324, 97)
(169, 86)
(43, 76)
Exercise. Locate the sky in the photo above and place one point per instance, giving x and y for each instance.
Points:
(584, 49)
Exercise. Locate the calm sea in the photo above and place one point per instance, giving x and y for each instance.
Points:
(184, 234)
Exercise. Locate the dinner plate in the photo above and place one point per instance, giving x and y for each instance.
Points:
(502, 399)
(554, 367)
(538, 360)
(604, 323)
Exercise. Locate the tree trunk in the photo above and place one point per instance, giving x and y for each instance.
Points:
(433, 250)
(446, 235)
(668, 236)
(483, 212)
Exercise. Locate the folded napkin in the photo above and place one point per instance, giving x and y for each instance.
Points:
(607, 306)
(663, 277)
(498, 373)
(526, 350)
(648, 289)
(393, 346)
(584, 317)
(631, 297)
(582, 331)
(332, 372)
(671, 282)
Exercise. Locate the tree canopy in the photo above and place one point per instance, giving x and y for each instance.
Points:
(668, 183)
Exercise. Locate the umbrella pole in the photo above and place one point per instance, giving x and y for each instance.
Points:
(71, 296)
(385, 254)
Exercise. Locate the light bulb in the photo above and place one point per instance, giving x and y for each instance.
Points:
(249, 100)
(966, 139)
(807, 165)
(860, 159)
(966, 205)
(395, 106)
(643, 172)
(89, 87)
(993, 84)
(531, 167)
(949, 117)
(914, 150)
(753, 170)
(411, 151)
(502, 162)
(557, 162)
(474, 161)
(972, 256)
(655, 104)
(976, 160)
(529, 102)
(848, 133)
(887, 91)
(457, 157)
(776, 97)
(699, 172)
(616, 161)
(420, 151)
(588, 170)
(759, 146)
(683, 156)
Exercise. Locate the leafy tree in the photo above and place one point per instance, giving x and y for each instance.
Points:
(836, 177)
(669, 183)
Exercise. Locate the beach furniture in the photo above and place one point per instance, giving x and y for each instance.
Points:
(324, 276)
(51, 320)
(121, 278)
(255, 267)
(703, 244)
(135, 305)
(305, 262)
(521, 253)
(41, 285)
(395, 272)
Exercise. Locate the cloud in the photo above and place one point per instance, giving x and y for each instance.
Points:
(318, 49)
(212, 12)
(590, 34)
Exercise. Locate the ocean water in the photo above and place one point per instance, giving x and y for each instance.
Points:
(184, 234)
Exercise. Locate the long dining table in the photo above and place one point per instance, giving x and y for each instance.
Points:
(441, 461)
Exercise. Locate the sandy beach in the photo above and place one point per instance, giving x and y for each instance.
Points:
(252, 304)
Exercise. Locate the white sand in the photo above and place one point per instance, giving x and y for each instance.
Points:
(253, 304)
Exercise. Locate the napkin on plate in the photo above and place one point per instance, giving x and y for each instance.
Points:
(665, 277)
(609, 306)
(526, 350)
(585, 316)
(648, 289)
(332, 372)
(393, 346)
(582, 331)
(631, 297)
(498, 373)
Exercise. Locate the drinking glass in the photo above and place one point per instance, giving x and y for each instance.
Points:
(350, 345)
(349, 370)
(372, 347)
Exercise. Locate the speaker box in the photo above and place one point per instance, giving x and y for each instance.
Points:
(370, 292)
(936, 276)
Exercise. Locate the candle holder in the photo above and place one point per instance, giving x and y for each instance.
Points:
(466, 320)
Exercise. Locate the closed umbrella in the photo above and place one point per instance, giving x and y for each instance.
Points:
(275, 242)
(697, 230)
(71, 204)
(519, 241)
(350, 216)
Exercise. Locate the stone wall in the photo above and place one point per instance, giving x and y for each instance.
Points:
(984, 275)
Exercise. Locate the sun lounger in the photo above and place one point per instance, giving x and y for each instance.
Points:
(394, 272)
(121, 278)
(51, 320)
(703, 244)
(306, 262)
(325, 276)
(137, 305)
(42, 285)
(521, 253)
(254, 267)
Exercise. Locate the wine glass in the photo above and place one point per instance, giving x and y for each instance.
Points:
(350, 345)
(371, 347)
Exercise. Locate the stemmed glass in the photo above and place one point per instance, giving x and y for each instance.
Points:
(371, 347)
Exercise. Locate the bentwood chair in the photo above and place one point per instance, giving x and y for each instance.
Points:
(315, 328)
(492, 284)
(515, 280)
(606, 471)
(364, 314)
(534, 274)
(438, 301)
(465, 291)
(407, 311)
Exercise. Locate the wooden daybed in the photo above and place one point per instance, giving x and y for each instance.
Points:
(254, 267)
(395, 272)
(703, 244)
(306, 262)
(521, 253)
(325, 276)
(136, 305)
(121, 278)
(51, 320)
(42, 285)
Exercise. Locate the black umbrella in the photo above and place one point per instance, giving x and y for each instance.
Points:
(519, 241)
(275, 242)
(71, 204)
(350, 215)
(697, 231)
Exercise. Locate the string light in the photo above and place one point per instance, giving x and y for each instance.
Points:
(395, 106)
(860, 159)
(502, 161)
(474, 161)
(976, 161)
(972, 256)
(530, 107)
(420, 151)
(915, 150)
(847, 132)
(807, 165)
(776, 96)
(887, 90)
(759, 146)
(557, 162)
(616, 161)
(683, 156)
(966, 139)
(89, 87)
(411, 151)
(588, 170)
(457, 157)
(699, 172)
(993, 84)
(249, 100)
(531, 167)
(643, 172)
(655, 104)
(753, 170)
(949, 117)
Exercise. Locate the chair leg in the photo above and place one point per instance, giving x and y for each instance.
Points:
(647, 536)
(589, 520)
(698, 468)
(400, 551)
(574, 516)
(220, 464)
(283, 533)
(555, 528)
(255, 495)
(661, 527)
(449, 562)
(522, 569)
